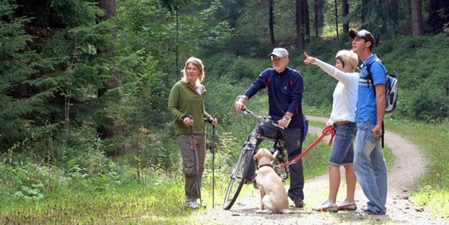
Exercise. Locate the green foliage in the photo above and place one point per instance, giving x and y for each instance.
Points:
(16, 63)
(421, 66)
(52, 84)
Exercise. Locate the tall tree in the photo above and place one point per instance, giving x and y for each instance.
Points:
(318, 22)
(336, 16)
(173, 6)
(271, 20)
(306, 20)
(110, 127)
(417, 21)
(345, 13)
(300, 23)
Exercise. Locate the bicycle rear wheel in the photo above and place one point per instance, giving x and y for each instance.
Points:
(238, 177)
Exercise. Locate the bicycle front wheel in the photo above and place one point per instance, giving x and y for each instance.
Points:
(238, 177)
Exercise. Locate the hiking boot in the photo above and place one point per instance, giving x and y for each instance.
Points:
(345, 205)
(326, 206)
(299, 203)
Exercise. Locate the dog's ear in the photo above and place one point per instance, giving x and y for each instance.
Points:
(271, 157)
(256, 156)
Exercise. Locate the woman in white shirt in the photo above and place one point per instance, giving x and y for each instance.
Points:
(342, 118)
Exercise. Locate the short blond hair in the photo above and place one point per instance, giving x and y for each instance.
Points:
(348, 56)
(198, 64)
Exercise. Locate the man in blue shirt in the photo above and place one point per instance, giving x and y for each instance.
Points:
(369, 163)
(285, 88)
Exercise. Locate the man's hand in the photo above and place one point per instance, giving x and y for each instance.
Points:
(376, 131)
(284, 121)
(240, 103)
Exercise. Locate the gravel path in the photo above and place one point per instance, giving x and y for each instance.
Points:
(410, 164)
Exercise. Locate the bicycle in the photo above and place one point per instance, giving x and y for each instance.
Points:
(240, 171)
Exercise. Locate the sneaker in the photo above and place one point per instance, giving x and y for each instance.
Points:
(346, 205)
(299, 203)
(326, 206)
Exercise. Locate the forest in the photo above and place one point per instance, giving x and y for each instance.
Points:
(84, 84)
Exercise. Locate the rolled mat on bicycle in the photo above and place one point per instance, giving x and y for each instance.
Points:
(326, 131)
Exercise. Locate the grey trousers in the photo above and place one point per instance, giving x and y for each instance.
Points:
(191, 186)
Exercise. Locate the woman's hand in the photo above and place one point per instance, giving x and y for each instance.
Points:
(309, 59)
(213, 121)
(188, 121)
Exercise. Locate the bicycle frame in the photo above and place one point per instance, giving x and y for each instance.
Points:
(245, 161)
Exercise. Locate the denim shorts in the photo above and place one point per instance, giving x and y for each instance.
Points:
(343, 146)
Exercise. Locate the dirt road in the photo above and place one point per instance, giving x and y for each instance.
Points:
(409, 166)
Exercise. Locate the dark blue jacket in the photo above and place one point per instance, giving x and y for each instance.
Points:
(284, 94)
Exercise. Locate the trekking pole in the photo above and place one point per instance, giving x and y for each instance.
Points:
(212, 149)
(195, 160)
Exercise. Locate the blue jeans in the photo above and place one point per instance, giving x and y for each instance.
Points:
(370, 168)
(342, 148)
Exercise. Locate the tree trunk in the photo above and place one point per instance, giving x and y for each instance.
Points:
(271, 20)
(345, 13)
(109, 8)
(336, 16)
(112, 128)
(364, 12)
(319, 16)
(300, 24)
(315, 9)
(417, 21)
(306, 19)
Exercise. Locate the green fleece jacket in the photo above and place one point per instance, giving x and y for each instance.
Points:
(183, 101)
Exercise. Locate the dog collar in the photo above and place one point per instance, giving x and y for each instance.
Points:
(268, 164)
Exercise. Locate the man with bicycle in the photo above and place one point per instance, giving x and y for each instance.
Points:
(285, 87)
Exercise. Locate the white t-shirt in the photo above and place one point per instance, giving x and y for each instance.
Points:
(345, 93)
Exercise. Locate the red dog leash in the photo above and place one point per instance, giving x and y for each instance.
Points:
(327, 130)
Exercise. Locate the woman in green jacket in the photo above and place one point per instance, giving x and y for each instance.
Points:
(186, 104)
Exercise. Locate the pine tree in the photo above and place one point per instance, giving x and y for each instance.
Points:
(53, 63)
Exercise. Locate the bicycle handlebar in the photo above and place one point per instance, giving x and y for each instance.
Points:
(261, 118)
